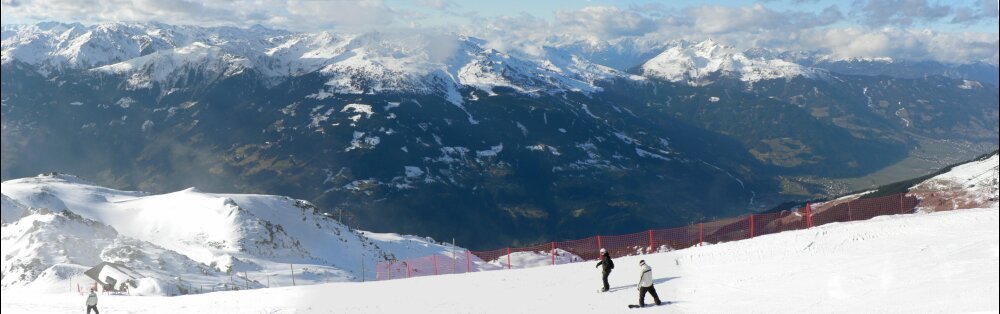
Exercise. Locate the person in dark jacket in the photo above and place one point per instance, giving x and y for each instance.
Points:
(608, 266)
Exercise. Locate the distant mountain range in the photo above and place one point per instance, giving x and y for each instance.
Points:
(433, 134)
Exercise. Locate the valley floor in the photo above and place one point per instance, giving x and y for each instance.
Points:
(937, 262)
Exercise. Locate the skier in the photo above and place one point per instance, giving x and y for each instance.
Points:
(608, 266)
(92, 302)
(646, 284)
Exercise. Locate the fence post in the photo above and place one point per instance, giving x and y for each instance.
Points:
(553, 253)
(293, 273)
(809, 217)
(701, 234)
(435, 264)
(408, 271)
(650, 242)
(849, 211)
(901, 202)
(508, 257)
(599, 245)
(751, 226)
(468, 261)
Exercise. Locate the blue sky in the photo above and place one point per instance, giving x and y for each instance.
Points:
(547, 9)
(936, 15)
(953, 31)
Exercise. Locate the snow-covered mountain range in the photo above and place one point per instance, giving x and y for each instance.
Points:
(353, 63)
(374, 62)
(55, 226)
(414, 62)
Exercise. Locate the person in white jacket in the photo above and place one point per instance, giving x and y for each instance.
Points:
(646, 284)
(92, 302)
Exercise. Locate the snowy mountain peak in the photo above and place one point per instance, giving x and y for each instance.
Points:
(698, 63)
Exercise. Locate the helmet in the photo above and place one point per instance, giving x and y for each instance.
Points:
(603, 251)
(642, 262)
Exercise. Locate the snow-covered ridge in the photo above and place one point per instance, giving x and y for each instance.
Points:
(354, 63)
(187, 234)
(694, 64)
(171, 64)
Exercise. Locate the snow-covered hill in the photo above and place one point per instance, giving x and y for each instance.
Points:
(56, 226)
(934, 262)
(972, 184)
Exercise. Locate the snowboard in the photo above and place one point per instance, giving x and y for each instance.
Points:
(636, 306)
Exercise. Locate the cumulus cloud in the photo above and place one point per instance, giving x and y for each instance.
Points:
(604, 22)
(903, 44)
(899, 12)
(827, 31)
(523, 33)
(437, 4)
(715, 19)
(981, 11)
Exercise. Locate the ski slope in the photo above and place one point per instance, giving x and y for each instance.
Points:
(927, 262)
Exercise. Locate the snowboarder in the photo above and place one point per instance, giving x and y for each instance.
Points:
(608, 266)
(92, 302)
(646, 284)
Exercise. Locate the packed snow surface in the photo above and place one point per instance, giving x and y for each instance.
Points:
(933, 262)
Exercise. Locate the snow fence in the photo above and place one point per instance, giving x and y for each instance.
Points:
(650, 241)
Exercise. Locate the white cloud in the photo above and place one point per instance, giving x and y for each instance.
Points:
(714, 19)
(899, 12)
(981, 11)
(604, 22)
(437, 4)
(904, 44)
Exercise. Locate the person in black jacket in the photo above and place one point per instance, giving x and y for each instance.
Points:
(608, 266)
